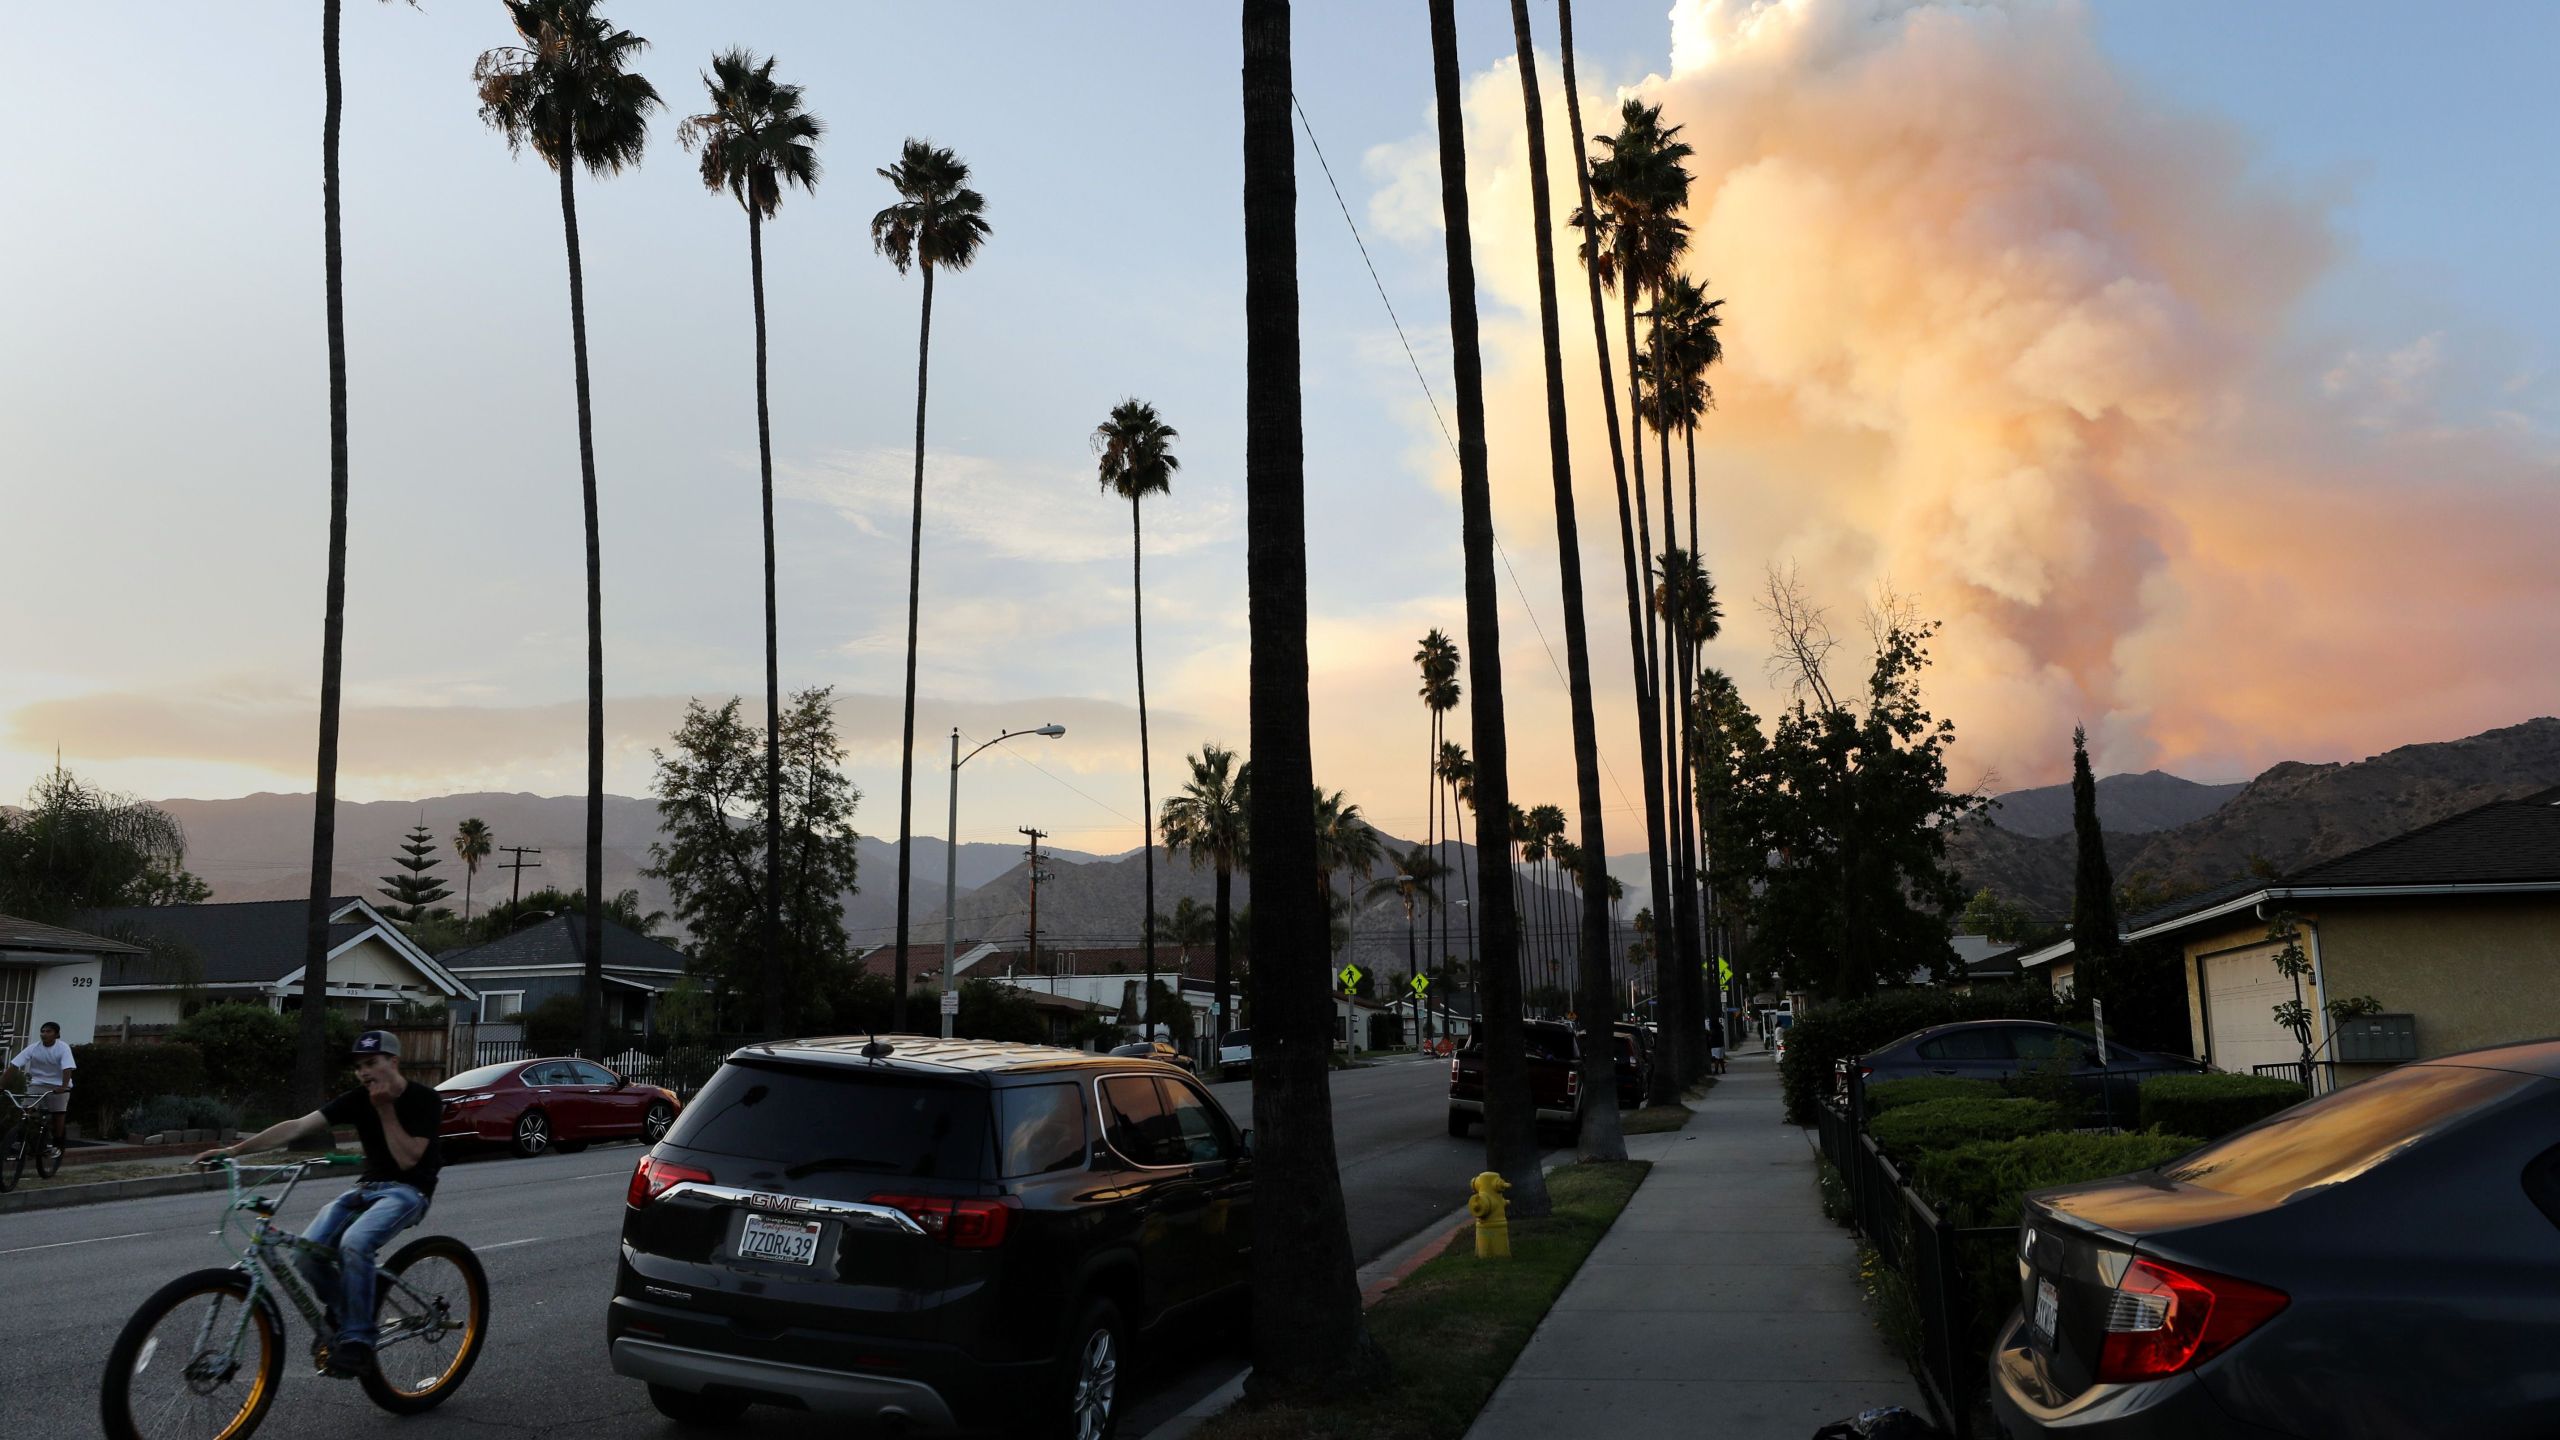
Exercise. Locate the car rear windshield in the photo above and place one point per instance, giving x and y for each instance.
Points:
(2342, 1135)
(854, 1121)
(474, 1079)
(1237, 1037)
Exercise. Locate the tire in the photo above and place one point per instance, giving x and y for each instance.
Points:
(655, 1124)
(47, 1162)
(411, 1375)
(1099, 1338)
(143, 1363)
(533, 1134)
(688, 1408)
(1460, 1122)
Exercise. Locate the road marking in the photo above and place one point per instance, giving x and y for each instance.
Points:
(509, 1244)
(60, 1244)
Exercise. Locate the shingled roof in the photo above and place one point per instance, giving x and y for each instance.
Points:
(18, 934)
(2505, 842)
(562, 940)
(243, 942)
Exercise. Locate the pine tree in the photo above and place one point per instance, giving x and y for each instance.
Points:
(2093, 900)
(412, 894)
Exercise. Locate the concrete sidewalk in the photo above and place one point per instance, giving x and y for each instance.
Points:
(1721, 1303)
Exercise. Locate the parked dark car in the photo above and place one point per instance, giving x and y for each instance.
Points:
(1155, 1050)
(561, 1103)
(2380, 1261)
(1999, 1049)
(1555, 1083)
(928, 1234)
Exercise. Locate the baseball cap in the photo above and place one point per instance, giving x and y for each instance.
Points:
(377, 1042)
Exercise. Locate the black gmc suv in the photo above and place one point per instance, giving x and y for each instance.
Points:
(934, 1234)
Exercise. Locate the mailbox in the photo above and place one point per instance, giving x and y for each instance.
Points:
(2376, 1040)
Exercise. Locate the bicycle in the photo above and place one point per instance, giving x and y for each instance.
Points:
(29, 1135)
(431, 1307)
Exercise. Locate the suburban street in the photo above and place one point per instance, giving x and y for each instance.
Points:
(546, 1229)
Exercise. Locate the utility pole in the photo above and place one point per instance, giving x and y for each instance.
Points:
(515, 889)
(1033, 934)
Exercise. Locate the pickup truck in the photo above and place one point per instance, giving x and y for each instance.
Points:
(1554, 1081)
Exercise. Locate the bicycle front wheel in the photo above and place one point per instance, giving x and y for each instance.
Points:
(40, 1141)
(198, 1361)
(13, 1155)
(430, 1320)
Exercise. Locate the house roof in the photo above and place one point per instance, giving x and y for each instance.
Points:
(562, 940)
(17, 934)
(244, 942)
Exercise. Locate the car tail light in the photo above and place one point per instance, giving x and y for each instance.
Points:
(460, 1101)
(961, 1222)
(1573, 1082)
(654, 1177)
(1453, 1069)
(2163, 1318)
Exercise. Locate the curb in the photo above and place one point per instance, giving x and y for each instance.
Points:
(63, 1196)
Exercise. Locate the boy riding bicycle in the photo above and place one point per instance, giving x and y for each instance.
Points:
(48, 1065)
(397, 1123)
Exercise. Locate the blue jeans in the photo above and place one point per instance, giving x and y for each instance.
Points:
(359, 1223)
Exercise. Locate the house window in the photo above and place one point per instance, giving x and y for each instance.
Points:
(17, 1006)
(498, 1006)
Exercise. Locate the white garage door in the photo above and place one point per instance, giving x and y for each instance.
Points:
(2241, 992)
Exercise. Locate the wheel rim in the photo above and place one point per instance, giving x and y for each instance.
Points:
(660, 1117)
(1097, 1383)
(427, 1325)
(172, 1390)
(533, 1133)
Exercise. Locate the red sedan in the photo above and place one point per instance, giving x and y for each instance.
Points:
(534, 1106)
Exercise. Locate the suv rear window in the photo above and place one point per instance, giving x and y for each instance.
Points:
(2342, 1135)
(861, 1122)
(1043, 1128)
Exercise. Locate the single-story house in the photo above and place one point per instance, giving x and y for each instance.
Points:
(252, 951)
(2453, 927)
(48, 973)
(517, 972)
(1981, 960)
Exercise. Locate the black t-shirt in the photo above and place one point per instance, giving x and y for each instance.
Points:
(419, 1111)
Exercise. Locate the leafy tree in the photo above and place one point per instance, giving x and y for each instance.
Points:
(937, 224)
(77, 847)
(2285, 929)
(754, 140)
(567, 92)
(414, 892)
(1137, 460)
(471, 841)
(508, 916)
(1206, 820)
(247, 1049)
(552, 1027)
(712, 863)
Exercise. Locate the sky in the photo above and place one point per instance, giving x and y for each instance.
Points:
(2193, 364)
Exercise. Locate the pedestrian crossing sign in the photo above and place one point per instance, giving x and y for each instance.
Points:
(1350, 977)
(1419, 985)
(1723, 969)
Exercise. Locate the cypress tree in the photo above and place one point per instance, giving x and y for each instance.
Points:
(412, 893)
(2093, 898)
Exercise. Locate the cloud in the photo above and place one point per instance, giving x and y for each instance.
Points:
(2019, 341)
(1001, 508)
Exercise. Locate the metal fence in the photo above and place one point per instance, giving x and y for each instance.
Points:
(1937, 1259)
(2318, 1077)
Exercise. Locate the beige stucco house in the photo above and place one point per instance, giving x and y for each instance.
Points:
(252, 951)
(48, 973)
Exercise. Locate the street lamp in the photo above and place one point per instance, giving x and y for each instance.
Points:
(951, 852)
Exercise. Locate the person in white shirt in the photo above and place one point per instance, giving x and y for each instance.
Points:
(48, 1065)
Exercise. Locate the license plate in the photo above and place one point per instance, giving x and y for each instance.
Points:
(2048, 1309)
(785, 1242)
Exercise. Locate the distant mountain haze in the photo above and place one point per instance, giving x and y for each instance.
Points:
(2127, 805)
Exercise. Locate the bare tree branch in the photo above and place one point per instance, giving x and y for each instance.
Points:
(1801, 639)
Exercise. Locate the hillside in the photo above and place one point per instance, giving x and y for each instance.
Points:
(2127, 805)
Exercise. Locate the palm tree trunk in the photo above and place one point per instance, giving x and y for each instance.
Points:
(311, 1059)
(470, 872)
(1308, 1331)
(1146, 780)
(907, 742)
(1710, 998)
(1511, 1146)
(593, 978)
(1601, 1137)
(772, 972)
(1684, 876)
(1225, 954)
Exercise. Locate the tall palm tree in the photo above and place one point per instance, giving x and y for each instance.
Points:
(1137, 461)
(1413, 877)
(311, 1058)
(1190, 924)
(1548, 822)
(1345, 841)
(1599, 258)
(567, 92)
(1458, 783)
(1533, 887)
(937, 224)
(1206, 820)
(1600, 1135)
(1309, 1336)
(754, 140)
(1694, 342)
(1437, 658)
(471, 841)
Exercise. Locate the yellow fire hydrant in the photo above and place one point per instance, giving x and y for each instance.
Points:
(1493, 1222)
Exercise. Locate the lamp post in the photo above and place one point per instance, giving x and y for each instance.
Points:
(951, 853)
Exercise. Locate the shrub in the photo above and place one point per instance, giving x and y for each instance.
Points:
(2049, 1080)
(181, 1112)
(556, 1026)
(114, 1078)
(1916, 1130)
(1983, 1182)
(248, 1049)
(2214, 1105)
(1884, 1095)
(1854, 1027)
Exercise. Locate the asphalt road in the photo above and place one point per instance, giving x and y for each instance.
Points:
(546, 1230)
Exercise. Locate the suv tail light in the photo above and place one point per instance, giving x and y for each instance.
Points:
(655, 1177)
(1573, 1081)
(962, 1222)
(2163, 1318)
(1453, 1069)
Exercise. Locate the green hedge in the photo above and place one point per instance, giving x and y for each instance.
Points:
(113, 1078)
(248, 1049)
(1985, 1181)
(181, 1112)
(1854, 1027)
(1885, 1095)
(1915, 1131)
(2214, 1105)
